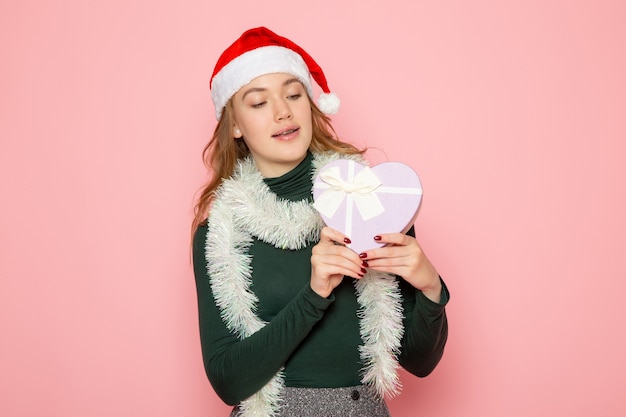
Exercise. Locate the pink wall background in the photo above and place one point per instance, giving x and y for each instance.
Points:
(511, 111)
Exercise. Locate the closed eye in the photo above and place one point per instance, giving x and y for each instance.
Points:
(258, 105)
(294, 96)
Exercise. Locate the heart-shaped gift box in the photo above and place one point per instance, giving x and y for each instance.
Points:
(363, 202)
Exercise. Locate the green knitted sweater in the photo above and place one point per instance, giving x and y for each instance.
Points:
(315, 339)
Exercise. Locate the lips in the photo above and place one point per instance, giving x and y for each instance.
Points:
(285, 132)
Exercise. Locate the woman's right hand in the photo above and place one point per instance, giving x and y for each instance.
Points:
(331, 260)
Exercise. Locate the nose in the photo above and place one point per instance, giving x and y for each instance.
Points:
(282, 111)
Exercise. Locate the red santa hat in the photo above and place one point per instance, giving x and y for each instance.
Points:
(260, 51)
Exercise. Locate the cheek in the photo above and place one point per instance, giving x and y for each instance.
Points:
(309, 121)
(304, 114)
(251, 124)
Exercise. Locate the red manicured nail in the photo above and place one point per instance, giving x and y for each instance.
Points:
(363, 270)
(363, 255)
(377, 238)
(346, 240)
(365, 264)
(361, 275)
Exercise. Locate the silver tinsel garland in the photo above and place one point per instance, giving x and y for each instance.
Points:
(245, 207)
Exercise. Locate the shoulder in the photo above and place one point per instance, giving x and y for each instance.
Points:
(199, 239)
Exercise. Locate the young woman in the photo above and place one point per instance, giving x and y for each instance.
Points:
(292, 321)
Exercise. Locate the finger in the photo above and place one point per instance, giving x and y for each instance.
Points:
(396, 245)
(330, 247)
(386, 264)
(399, 271)
(330, 235)
(394, 253)
(328, 265)
(394, 239)
(402, 266)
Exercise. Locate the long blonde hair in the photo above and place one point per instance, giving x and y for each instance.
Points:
(222, 153)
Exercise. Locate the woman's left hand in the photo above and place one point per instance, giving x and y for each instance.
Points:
(403, 256)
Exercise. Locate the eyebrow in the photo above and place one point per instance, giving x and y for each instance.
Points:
(261, 89)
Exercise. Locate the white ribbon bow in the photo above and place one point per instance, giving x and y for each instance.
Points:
(360, 188)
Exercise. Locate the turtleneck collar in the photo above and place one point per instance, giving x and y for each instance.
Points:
(296, 184)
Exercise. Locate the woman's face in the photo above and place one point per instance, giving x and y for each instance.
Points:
(272, 114)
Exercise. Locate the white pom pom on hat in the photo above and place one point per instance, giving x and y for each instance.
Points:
(260, 51)
(328, 103)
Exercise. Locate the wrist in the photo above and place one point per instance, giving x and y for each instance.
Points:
(322, 292)
(433, 291)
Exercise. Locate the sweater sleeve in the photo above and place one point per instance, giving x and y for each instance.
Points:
(425, 333)
(425, 329)
(239, 368)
